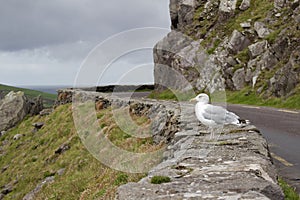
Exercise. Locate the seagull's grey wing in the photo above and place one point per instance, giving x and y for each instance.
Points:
(215, 113)
(220, 115)
(231, 118)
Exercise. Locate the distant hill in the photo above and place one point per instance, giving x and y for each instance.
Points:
(49, 99)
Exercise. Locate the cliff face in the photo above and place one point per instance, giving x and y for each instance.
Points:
(231, 44)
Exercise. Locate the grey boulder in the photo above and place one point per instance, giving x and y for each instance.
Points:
(14, 107)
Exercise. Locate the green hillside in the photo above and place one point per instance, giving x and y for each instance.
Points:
(28, 161)
(49, 99)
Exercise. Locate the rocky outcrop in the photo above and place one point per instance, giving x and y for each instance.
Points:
(36, 106)
(288, 77)
(261, 29)
(209, 44)
(2, 94)
(238, 42)
(15, 106)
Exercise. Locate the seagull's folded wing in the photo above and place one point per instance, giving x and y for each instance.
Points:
(219, 115)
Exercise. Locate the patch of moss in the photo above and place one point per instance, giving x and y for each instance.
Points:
(160, 179)
(273, 36)
(215, 46)
(243, 55)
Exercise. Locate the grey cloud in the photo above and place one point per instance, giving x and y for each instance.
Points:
(45, 42)
(32, 24)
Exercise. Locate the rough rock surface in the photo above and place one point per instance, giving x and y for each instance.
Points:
(236, 164)
(14, 107)
(239, 79)
(203, 49)
(238, 42)
(261, 29)
(258, 48)
(31, 195)
(36, 106)
(245, 4)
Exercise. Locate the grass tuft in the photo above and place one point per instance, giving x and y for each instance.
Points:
(160, 179)
(289, 192)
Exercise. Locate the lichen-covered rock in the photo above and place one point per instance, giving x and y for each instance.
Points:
(286, 78)
(227, 5)
(268, 60)
(245, 25)
(238, 42)
(279, 4)
(239, 79)
(64, 97)
(245, 4)
(261, 29)
(258, 48)
(36, 106)
(14, 107)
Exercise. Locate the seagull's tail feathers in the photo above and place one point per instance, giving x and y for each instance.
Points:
(244, 121)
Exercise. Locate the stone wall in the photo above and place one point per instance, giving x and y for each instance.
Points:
(236, 164)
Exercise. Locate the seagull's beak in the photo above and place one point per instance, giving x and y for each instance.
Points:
(193, 100)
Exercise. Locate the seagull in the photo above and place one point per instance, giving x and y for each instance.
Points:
(214, 116)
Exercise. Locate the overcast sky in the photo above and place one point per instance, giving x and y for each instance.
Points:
(45, 42)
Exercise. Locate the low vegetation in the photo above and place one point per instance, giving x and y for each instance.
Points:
(172, 95)
(246, 96)
(26, 162)
(160, 179)
(249, 97)
(289, 192)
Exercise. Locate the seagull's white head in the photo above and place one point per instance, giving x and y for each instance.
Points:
(203, 98)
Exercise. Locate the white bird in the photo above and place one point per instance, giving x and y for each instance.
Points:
(214, 116)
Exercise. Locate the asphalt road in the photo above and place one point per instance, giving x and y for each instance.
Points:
(281, 128)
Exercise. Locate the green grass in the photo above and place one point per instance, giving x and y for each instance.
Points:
(249, 97)
(258, 11)
(160, 179)
(32, 158)
(289, 192)
(172, 95)
(49, 99)
(246, 96)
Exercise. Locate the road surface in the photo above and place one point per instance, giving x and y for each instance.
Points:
(282, 130)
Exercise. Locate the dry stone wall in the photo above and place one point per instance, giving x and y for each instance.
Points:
(236, 164)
